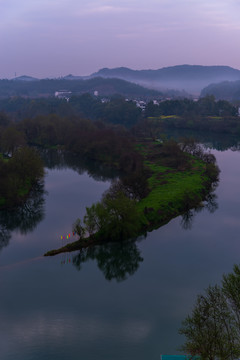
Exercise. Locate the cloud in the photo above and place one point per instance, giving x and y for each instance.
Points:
(103, 9)
(219, 14)
(84, 28)
(166, 13)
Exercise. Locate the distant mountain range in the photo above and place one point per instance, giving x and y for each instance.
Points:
(25, 78)
(189, 78)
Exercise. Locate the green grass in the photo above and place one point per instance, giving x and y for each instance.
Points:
(171, 190)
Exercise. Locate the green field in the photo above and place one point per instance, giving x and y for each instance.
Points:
(172, 191)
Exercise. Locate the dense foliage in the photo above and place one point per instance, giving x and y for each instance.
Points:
(109, 145)
(205, 106)
(114, 218)
(18, 174)
(227, 90)
(213, 328)
(116, 110)
(47, 87)
(94, 140)
(67, 125)
(206, 115)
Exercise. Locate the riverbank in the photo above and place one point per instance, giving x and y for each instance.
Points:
(210, 124)
(178, 182)
(19, 174)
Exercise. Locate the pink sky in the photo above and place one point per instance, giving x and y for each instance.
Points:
(56, 37)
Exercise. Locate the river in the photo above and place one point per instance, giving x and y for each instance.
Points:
(116, 302)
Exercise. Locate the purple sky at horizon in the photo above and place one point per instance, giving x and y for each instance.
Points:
(52, 38)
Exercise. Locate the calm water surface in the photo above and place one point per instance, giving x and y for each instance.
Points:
(118, 302)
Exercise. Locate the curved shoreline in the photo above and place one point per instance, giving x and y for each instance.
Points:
(172, 193)
(91, 241)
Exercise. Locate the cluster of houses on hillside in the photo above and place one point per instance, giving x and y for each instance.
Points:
(65, 94)
(141, 104)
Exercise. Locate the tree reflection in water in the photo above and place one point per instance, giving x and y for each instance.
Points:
(59, 159)
(121, 260)
(116, 260)
(210, 204)
(211, 140)
(5, 236)
(25, 217)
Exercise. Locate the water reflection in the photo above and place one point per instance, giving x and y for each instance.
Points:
(24, 217)
(58, 159)
(116, 260)
(210, 205)
(220, 142)
(5, 236)
(120, 260)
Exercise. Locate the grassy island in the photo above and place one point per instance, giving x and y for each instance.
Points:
(174, 178)
(179, 181)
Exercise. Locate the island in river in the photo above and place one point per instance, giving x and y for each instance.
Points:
(175, 178)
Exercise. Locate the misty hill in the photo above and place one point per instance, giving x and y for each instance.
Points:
(47, 87)
(73, 77)
(191, 78)
(227, 90)
(25, 78)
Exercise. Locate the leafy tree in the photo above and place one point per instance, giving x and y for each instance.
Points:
(151, 110)
(119, 111)
(27, 164)
(172, 155)
(211, 330)
(96, 218)
(114, 218)
(212, 172)
(231, 289)
(79, 229)
(226, 109)
(133, 185)
(11, 139)
(18, 175)
(4, 119)
(122, 219)
(207, 105)
(92, 219)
